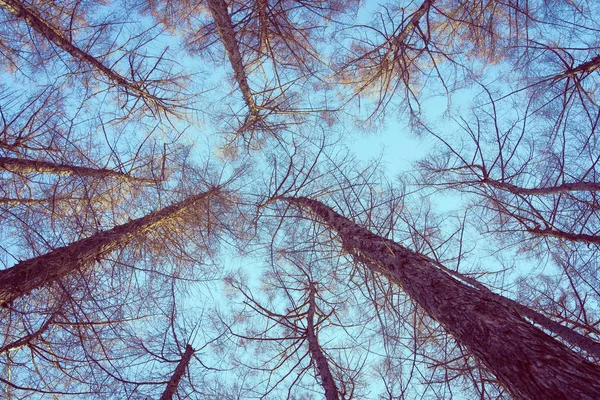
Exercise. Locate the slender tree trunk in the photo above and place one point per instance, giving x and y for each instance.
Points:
(31, 274)
(218, 9)
(564, 188)
(583, 68)
(399, 39)
(528, 362)
(54, 35)
(327, 381)
(178, 374)
(23, 166)
(574, 237)
(24, 341)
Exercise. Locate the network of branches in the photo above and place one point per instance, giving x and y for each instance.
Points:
(185, 213)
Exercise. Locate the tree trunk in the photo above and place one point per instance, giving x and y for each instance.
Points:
(574, 237)
(528, 362)
(54, 35)
(316, 353)
(23, 166)
(423, 9)
(218, 10)
(569, 335)
(563, 188)
(36, 272)
(27, 339)
(178, 374)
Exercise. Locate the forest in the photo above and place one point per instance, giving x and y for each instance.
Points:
(300, 199)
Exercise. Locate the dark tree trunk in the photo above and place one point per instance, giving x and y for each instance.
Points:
(36, 272)
(563, 188)
(178, 374)
(218, 10)
(528, 362)
(316, 353)
(569, 335)
(23, 166)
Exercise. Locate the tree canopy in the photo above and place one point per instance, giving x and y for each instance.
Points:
(190, 206)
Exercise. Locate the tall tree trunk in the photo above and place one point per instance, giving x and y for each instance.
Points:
(218, 10)
(316, 353)
(23, 166)
(36, 272)
(54, 35)
(569, 335)
(528, 362)
(398, 40)
(178, 374)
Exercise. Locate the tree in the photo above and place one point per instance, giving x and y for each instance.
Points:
(31, 274)
(147, 90)
(497, 334)
(181, 213)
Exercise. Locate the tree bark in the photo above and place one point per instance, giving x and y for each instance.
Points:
(23, 166)
(569, 335)
(529, 363)
(398, 40)
(178, 374)
(31, 274)
(26, 340)
(574, 237)
(218, 10)
(563, 188)
(316, 353)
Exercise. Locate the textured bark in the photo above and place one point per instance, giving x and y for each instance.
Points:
(218, 10)
(567, 334)
(178, 374)
(316, 353)
(15, 202)
(573, 237)
(399, 39)
(586, 67)
(564, 188)
(36, 272)
(54, 35)
(22, 166)
(528, 362)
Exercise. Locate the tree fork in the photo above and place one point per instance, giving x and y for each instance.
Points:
(178, 374)
(528, 363)
(31, 274)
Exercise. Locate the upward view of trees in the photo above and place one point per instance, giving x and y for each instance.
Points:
(184, 213)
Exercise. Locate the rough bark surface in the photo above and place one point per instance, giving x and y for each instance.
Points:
(564, 188)
(528, 362)
(24, 341)
(316, 353)
(567, 334)
(218, 10)
(399, 39)
(36, 272)
(574, 237)
(178, 374)
(22, 166)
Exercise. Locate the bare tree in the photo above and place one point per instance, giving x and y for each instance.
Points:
(45, 269)
(488, 328)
